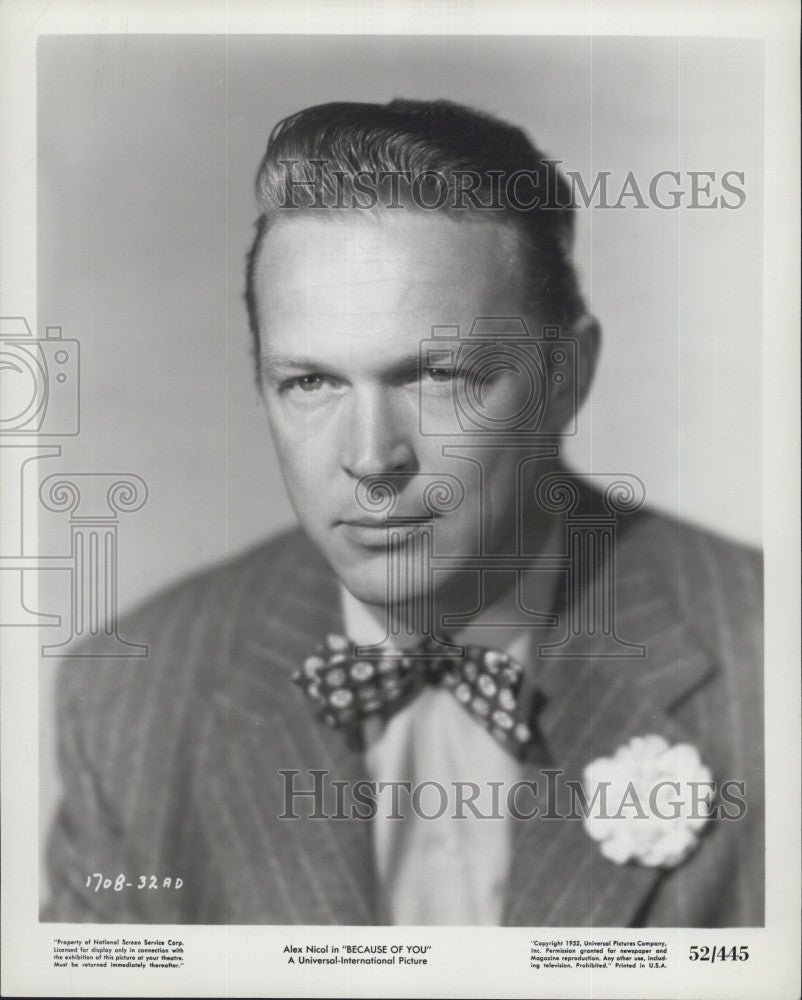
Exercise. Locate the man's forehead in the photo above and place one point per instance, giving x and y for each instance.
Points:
(417, 253)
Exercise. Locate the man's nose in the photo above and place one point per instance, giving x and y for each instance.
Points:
(376, 436)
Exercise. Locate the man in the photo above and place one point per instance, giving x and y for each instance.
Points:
(390, 716)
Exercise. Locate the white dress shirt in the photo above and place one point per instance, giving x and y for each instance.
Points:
(445, 870)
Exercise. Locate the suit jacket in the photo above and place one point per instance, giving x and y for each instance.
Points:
(171, 764)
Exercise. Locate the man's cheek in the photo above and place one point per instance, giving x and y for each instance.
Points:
(296, 446)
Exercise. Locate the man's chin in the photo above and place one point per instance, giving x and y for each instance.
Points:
(370, 582)
(377, 592)
(376, 580)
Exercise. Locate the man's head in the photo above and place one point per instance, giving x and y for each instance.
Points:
(379, 223)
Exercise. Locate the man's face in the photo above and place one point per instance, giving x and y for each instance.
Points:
(343, 305)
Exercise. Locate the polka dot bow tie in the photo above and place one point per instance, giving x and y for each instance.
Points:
(346, 689)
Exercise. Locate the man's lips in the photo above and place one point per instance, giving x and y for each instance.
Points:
(363, 522)
(372, 532)
(382, 522)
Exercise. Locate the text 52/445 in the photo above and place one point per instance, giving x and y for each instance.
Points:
(96, 881)
(705, 953)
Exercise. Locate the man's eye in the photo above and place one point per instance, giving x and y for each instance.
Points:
(439, 374)
(305, 383)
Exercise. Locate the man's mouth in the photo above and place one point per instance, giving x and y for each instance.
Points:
(365, 522)
(374, 533)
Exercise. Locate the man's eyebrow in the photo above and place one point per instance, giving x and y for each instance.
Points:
(276, 363)
(273, 362)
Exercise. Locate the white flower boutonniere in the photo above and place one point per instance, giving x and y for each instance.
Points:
(648, 802)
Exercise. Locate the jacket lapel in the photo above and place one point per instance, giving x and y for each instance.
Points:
(319, 870)
(593, 705)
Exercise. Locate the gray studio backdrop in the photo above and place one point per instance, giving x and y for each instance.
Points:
(148, 147)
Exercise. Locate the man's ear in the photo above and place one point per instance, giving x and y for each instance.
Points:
(567, 396)
(587, 334)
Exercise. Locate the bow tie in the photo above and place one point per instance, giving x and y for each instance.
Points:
(346, 689)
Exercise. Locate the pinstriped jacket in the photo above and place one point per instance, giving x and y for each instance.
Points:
(171, 764)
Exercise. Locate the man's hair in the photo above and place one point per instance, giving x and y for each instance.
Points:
(445, 157)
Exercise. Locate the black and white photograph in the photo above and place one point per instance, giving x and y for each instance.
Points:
(393, 501)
